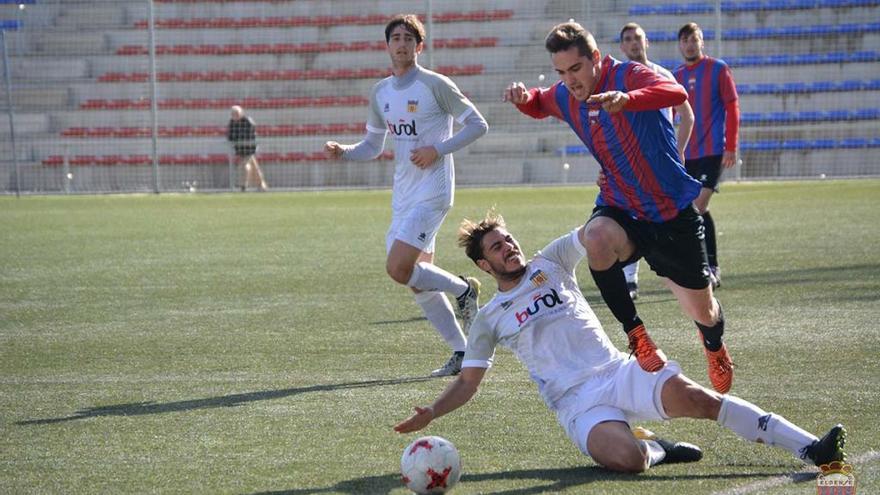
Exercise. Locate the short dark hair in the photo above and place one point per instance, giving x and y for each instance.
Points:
(470, 234)
(689, 29)
(627, 27)
(564, 36)
(412, 24)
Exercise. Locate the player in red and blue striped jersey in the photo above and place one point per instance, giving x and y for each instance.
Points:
(645, 206)
(712, 95)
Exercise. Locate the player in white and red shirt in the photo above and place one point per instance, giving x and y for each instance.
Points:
(541, 315)
(417, 107)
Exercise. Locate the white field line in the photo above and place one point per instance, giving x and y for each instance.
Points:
(760, 486)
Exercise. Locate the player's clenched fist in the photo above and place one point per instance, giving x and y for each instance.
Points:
(611, 101)
(516, 93)
(333, 149)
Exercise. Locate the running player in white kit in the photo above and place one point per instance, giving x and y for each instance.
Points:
(417, 107)
(595, 390)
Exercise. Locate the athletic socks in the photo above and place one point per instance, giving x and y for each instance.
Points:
(755, 425)
(612, 286)
(656, 452)
(439, 312)
(427, 277)
(711, 245)
(712, 335)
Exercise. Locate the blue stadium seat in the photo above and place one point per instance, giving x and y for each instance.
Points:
(641, 10)
(698, 8)
(837, 115)
(750, 117)
(866, 114)
(766, 88)
(863, 56)
(853, 143)
(874, 142)
(10, 24)
(809, 116)
(822, 86)
(824, 144)
(795, 144)
(872, 84)
(781, 117)
(850, 85)
(794, 87)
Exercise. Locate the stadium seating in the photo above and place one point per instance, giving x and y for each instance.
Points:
(318, 21)
(296, 48)
(691, 8)
(274, 75)
(187, 159)
(225, 103)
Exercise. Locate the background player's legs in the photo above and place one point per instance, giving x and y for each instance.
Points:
(702, 204)
(434, 303)
(241, 167)
(257, 173)
(408, 265)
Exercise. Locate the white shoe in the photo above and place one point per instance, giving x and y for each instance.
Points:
(452, 367)
(468, 303)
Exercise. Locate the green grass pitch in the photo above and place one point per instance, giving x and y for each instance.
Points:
(246, 344)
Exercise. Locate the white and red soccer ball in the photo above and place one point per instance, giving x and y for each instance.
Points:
(430, 465)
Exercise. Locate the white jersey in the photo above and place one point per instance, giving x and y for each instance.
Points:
(547, 323)
(660, 70)
(418, 110)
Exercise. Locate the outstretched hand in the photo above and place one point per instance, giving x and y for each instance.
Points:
(516, 93)
(611, 101)
(333, 149)
(416, 422)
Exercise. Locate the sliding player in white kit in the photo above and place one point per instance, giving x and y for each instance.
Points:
(418, 106)
(541, 315)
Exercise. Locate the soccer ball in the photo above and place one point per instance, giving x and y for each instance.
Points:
(430, 465)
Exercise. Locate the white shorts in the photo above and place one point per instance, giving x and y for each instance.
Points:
(417, 227)
(626, 393)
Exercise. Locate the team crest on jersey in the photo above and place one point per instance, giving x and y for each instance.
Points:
(593, 115)
(387, 107)
(538, 278)
(692, 83)
(412, 106)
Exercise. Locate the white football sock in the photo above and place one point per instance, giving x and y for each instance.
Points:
(437, 309)
(655, 452)
(754, 424)
(631, 271)
(431, 278)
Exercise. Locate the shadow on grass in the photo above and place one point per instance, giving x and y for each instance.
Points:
(394, 322)
(554, 480)
(232, 400)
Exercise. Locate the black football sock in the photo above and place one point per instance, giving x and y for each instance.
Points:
(711, 245)
(612, 286)
(712, 335)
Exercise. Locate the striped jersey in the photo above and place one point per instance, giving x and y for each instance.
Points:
(710, 88)
(418, 110)
(636, 148)
(547, 323)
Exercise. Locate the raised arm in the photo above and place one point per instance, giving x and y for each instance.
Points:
(536, 102)
(457, 394)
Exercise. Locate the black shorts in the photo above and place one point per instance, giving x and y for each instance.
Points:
(675, 249)
(707, 170)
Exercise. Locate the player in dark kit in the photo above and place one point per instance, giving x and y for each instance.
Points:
(645, 206)
(712, 94)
